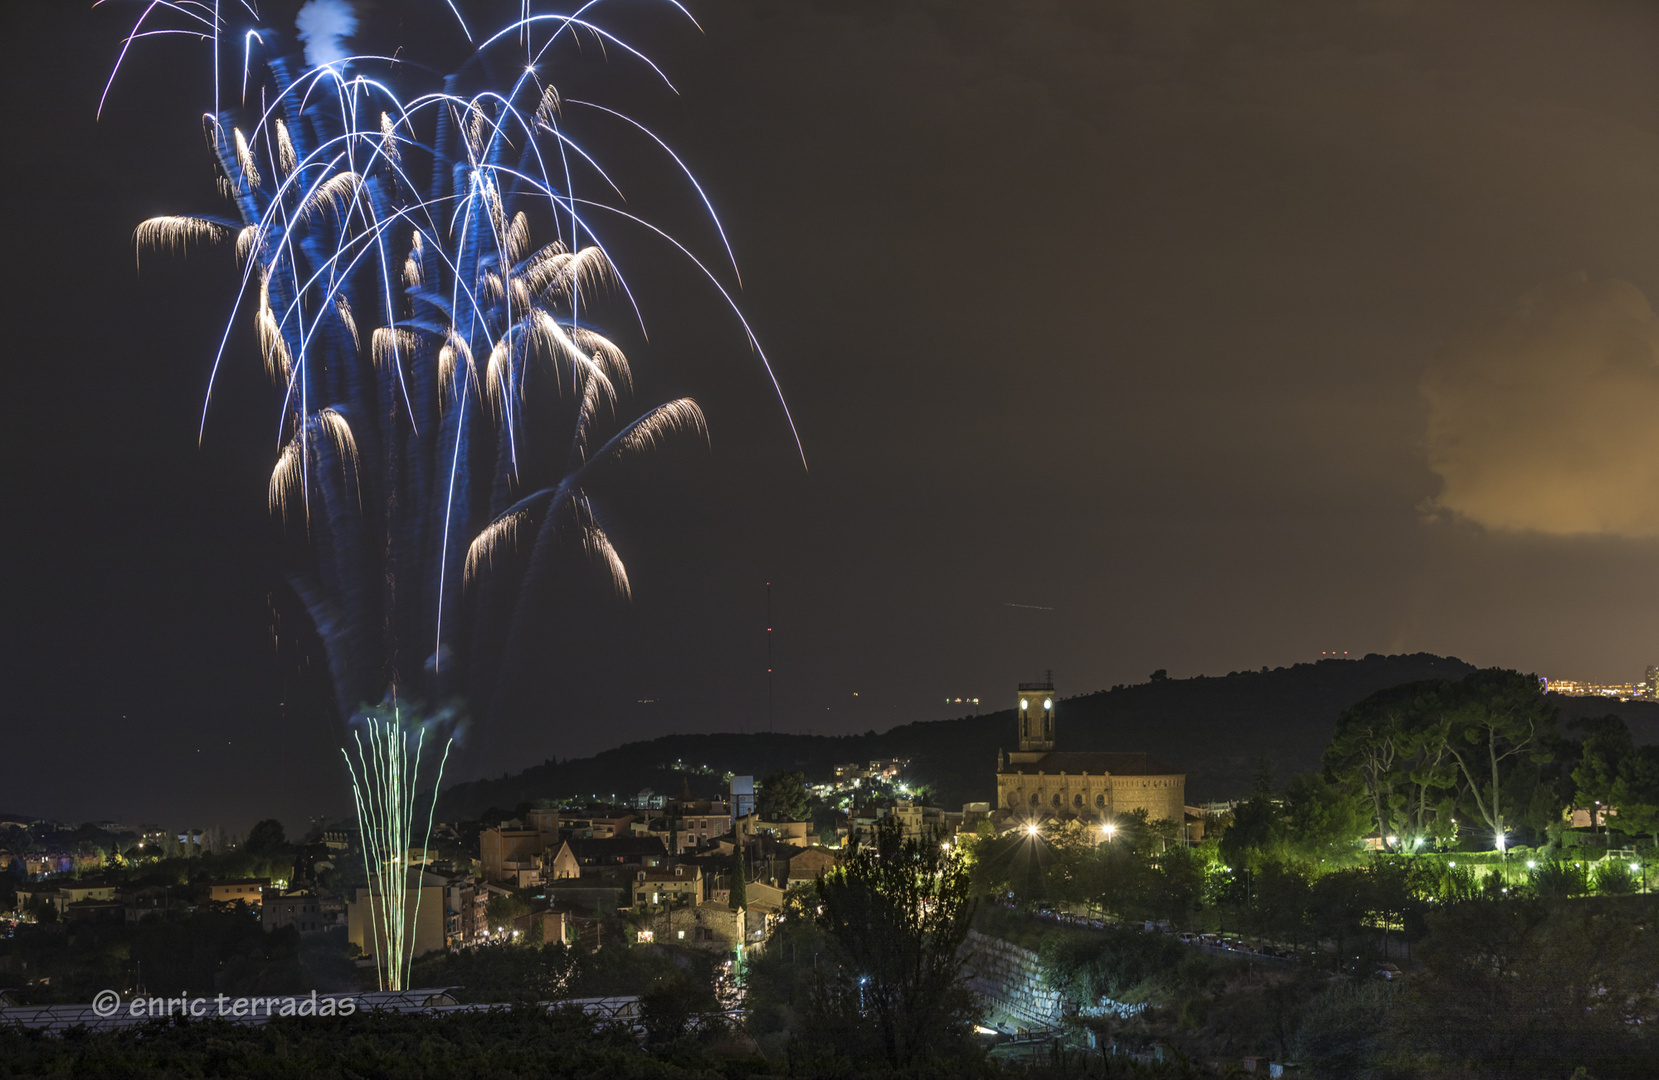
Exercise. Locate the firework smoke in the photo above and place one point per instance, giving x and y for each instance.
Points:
(323, 26)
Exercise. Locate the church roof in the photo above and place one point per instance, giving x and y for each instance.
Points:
(1087, 761)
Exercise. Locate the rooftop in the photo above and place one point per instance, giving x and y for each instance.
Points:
(1097, 762)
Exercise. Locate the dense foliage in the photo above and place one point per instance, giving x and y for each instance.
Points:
(890, 923)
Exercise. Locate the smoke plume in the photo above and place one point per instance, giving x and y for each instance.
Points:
(323, 27)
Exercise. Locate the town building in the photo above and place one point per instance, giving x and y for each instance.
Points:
(515, 855)
(712, 926)
(1037, 780)
(678, 886)
(742, 800)
(250, 891)
(790, 832)
(300, 908)
(423, 916)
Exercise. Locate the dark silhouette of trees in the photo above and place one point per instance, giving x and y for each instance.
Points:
(894, 913)
(738, 898)
(1499, 717)
(782, 797)
(265, 838)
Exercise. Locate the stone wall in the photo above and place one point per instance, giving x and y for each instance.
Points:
(1007, 980)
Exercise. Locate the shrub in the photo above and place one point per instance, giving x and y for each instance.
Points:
(1613, 878)
(1559, 880)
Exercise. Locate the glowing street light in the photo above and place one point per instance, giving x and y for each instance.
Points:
(1031, 829)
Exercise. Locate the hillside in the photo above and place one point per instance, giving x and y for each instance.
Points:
(1216, 728)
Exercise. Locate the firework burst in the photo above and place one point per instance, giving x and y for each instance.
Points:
(419, 257)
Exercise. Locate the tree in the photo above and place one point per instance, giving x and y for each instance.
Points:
(1393, 744)
(1602, 758)
(895, 913)
(1497, 719)
(1636, 793)
(265, 838)
(1326, 819)
(502, 910)
(738, 898)
(1256, 830)
(782, 797)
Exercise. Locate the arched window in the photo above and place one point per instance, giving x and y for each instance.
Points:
(1035, 798)
(1056, 799)
(1077, 801)
(1100, 801)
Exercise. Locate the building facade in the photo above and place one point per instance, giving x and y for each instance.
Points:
(1037, 780)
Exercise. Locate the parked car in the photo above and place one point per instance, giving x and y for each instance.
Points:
(1387, 972)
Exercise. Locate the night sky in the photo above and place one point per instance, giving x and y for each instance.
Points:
(1120, 336)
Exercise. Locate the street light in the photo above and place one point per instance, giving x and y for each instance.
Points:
(1031, 829)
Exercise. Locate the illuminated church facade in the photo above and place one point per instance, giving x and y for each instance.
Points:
(1039, 781)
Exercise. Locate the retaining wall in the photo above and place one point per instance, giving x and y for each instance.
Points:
(1006, 978)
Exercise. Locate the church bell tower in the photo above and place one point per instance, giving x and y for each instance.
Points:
(1036, 713)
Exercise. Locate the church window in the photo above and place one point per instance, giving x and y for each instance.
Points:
(1100, 801)
(1056, 798)
(1034, 798)
(1077, 800)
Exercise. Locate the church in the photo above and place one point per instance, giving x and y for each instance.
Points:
(1039, 781)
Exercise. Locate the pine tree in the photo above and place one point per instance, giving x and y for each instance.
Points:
(739, 896)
